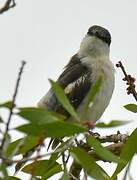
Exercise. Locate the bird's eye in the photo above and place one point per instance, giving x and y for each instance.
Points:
(96, 33)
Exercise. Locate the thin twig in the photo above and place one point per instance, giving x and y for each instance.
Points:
(129, 79)
(12, 105)
(8, 5)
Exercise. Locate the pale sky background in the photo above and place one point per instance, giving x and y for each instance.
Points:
(46, 33)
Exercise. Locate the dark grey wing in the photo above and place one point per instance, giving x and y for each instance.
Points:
(73, 71)
(75, 80)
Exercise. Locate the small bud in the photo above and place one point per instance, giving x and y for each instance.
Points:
(117, 65)
(132, 80)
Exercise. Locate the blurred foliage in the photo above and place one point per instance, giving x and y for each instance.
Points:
(113, 123)
(41, 125)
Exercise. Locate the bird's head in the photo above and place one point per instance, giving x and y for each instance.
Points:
(96, 42)
(100, 33)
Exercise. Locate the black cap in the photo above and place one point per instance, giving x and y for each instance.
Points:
(101, 33)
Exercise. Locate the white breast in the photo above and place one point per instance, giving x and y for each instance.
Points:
(99, 66)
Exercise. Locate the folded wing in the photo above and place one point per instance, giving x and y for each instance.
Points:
(76, 82)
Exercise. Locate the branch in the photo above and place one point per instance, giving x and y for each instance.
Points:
(12, 106)
(115, 138)
(118, 137)
(129, 79)
(8, 5)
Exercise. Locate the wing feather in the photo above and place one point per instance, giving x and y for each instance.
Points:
(75, 80)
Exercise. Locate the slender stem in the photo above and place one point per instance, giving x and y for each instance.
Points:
(8, 5)
(12, 105)
(130, 81)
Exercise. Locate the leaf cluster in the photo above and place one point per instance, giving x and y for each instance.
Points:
(41, 125)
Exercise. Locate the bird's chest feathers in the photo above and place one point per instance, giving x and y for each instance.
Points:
(100, 67)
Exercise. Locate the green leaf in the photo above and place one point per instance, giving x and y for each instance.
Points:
(65, 176)
(56, 168)
(7, 104)
(113, 123)
(53, 158)
(62, 98)
(89, 164)
(39, 115)
(11, 149)
(131, 107)
(53, 129)
(22, 146)
(7, 142)
(48, 124)
(102, 151)
(91, 94)
(41, 168)
(128, 151)
(59, 150)
(29, 143)
(3, 169)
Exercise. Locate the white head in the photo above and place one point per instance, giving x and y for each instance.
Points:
(96, 42)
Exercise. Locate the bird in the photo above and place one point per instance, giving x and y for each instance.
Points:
(81, 73)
